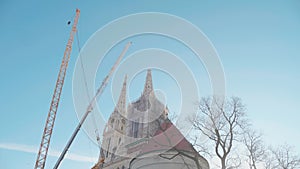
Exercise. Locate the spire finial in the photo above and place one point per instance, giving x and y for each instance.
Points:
(148, 84)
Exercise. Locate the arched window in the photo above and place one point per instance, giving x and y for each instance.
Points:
(113, 153)
(108, 147)
(112, 122)
(135, 129)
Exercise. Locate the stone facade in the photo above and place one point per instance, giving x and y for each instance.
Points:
(129, 139)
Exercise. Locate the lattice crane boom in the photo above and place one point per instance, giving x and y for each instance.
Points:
(44, 146)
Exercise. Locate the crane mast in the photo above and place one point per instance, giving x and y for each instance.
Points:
(91, 105)
(44, 146)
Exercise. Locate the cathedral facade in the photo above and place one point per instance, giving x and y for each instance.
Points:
(140, 135)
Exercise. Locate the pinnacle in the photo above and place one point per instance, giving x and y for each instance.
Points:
(121, 105)
(148, 84)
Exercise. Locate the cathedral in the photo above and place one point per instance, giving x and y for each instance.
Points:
(141, 136)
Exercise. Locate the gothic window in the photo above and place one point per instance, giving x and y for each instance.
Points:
(112, 122)
(102, 152)
(122, 128)
(135, 129)
(113, 153)
(119, 140)
(108, 148)
(123, 167)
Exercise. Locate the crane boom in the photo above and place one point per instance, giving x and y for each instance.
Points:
(91, 105)
(44, 146)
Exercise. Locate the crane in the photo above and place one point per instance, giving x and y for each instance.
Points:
(91, 105)
(44, 146)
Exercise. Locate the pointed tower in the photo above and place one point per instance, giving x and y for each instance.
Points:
(121, 105)
(148, 88)
(115, 129)
(136, 136)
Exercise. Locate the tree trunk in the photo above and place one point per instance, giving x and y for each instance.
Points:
(223, 162)
(254, 166)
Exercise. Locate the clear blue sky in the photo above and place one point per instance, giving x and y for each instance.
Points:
(257, 42)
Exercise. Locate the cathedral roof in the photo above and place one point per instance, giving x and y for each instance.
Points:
(168, 137)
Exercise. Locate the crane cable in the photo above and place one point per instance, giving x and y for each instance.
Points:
(87, 90)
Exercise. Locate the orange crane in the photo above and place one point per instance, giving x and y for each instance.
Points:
(44, 146)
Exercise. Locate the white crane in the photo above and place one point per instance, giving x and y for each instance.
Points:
(91, 105)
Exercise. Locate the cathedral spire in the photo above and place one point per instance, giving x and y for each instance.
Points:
(121, 105)
(148, 84)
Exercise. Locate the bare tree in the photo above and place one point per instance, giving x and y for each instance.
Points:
(255, 148)
(269, 161)
(285, 157)
(221, 120)
(200, 145)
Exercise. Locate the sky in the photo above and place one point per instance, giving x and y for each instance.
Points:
(257, 43)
